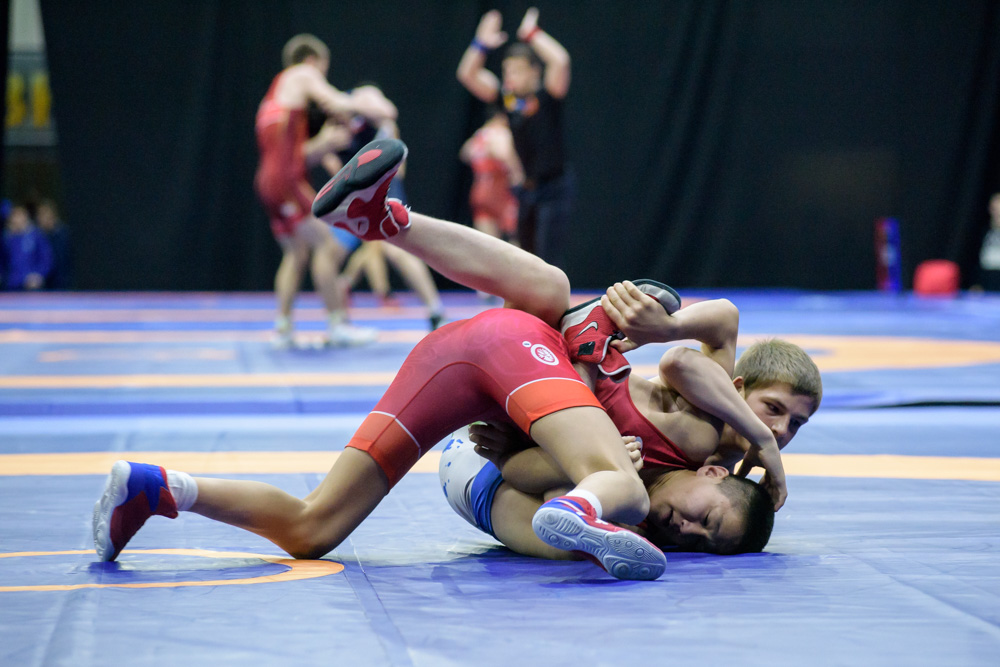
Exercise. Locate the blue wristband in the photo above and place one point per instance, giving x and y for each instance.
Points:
(479, 46)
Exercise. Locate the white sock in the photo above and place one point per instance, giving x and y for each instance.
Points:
(183, 488)
(590, 498)
(282, 324)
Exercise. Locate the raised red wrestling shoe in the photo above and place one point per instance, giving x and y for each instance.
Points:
(355, 198)
(589, 331)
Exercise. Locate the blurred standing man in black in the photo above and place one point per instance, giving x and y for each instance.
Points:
(533, 100)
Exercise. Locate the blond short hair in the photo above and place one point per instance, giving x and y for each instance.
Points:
(773, 360)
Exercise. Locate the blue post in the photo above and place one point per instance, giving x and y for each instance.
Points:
(888, 259)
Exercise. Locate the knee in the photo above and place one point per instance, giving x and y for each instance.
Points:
(309, 552)
(641, 499)
(299, 259)
(332, 252)
(306, 541)
(638, 503)
(552, 295)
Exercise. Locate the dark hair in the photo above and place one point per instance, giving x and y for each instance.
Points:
(756, 508)
(300, 47)
(522, 50)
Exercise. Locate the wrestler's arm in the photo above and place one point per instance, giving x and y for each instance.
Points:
(331, 137)
(369, 101)
(715, 323)
(707, 386)
(551, 52)
(471, 73)
(336, 102)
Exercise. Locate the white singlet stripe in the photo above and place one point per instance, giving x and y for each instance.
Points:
(402, 426)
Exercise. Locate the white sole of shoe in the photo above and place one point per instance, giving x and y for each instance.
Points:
(623, 554)
(665, 294)
(115, 492)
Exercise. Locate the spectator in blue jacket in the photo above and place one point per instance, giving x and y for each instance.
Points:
(27, 254)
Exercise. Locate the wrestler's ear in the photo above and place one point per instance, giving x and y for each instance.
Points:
(712, 471)
(738, 383)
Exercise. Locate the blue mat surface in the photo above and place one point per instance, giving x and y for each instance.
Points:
(872, 571)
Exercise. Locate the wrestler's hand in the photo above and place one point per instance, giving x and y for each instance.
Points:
(633, 445)
(767, 457)
(490, 32)
(498, 441)
(636, 314)
(528, 24)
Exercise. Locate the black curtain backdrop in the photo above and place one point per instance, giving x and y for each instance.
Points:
(716, 144)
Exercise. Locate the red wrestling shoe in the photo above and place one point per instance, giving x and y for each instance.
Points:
(570, 523)
(133, 493)
(355, 198)
(589, 331)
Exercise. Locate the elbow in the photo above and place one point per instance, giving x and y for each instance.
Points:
(730, 317)
(675, 362)
(561, 60)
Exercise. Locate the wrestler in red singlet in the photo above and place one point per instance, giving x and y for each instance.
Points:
(657, 449)
(490, 196)
(501, 364)
(281, 173)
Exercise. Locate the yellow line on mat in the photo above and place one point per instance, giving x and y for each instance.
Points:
(262, 463)
(202, 380)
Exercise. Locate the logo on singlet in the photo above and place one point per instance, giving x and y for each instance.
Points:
(542, 354)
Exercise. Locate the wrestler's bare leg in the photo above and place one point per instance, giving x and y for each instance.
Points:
(488, 264)
(304, 527)
(584, 442)
(288, 278)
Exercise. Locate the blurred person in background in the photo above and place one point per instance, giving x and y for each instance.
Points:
(57, 233)
(281, 184)
(989, 254)
(496, 171)
(27, 254)
(535, 81)
(338, 138)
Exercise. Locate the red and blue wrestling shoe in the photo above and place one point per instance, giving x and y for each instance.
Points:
(589, 331)
(570, 523)
(355, 198)
(133, 493)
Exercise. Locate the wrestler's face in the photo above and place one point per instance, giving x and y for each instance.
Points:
(519, 77)
(782, 410)
(690, 510)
